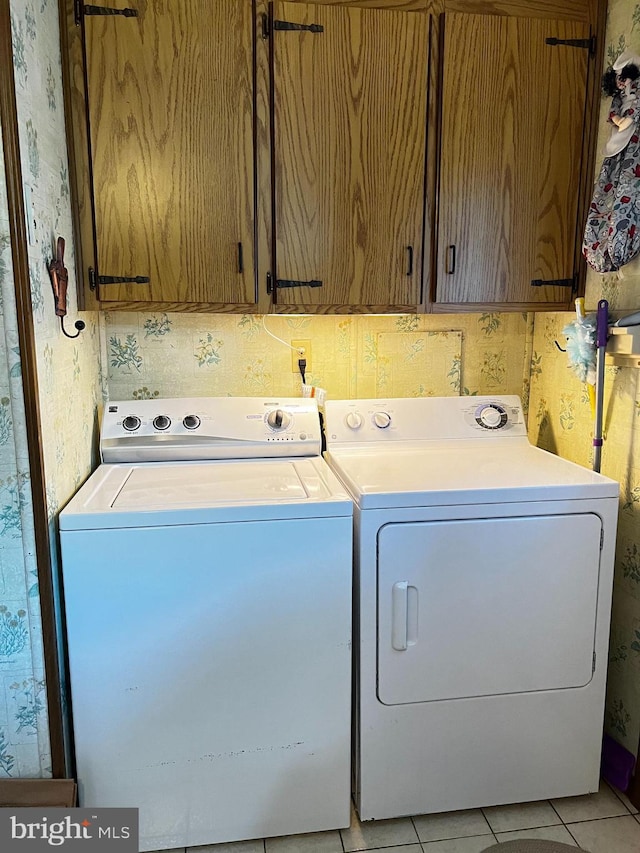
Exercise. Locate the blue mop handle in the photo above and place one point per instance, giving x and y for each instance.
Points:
(602, 324)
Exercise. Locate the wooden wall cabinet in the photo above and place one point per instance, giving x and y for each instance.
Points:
(332, 155)
(240, 155)
(513, 120)
(349, 99)
(170, 137)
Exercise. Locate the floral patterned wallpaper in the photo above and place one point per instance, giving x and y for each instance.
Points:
(560, 420)
(24, 746)
(69, 387)
(164, 355)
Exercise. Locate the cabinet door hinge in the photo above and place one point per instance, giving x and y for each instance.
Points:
(123, 279)
(106, 10)
(80, 9)
(556, 282)
(289, 25)
(589, 44)
(269, 283)
(115, 279)
(290, 282)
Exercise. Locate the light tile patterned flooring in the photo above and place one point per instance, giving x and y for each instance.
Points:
(605, 822)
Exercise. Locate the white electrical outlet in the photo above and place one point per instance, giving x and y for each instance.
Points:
(295, 355)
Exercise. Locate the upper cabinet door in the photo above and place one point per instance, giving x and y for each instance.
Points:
(170, 96)
(349, 124)
(511, 147)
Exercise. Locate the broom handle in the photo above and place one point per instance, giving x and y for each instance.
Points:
(602, 321)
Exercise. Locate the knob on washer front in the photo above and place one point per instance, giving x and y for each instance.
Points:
(131, 423)
(162, 422)
(278, 419)
(191, 422)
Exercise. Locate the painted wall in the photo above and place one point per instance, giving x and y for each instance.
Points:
(560, 420)
(69, 387)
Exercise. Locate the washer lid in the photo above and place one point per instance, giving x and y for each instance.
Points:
(154, 494)
(448, 473)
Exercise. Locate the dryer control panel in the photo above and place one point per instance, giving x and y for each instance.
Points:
(195, 428)
(424, 419)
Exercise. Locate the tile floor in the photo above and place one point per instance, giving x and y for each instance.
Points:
(605, 822)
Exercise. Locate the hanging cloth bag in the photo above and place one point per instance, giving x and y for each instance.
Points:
(612, 233)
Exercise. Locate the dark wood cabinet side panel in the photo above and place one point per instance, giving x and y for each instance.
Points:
(74, 91)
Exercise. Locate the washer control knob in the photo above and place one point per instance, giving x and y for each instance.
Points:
(382, 419)
(191, 422)
(278, 419)
(162, 422)
(353, 420)
(491, 416)
(131, 423)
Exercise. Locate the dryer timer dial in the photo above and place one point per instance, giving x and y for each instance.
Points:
(382, 420)
(491, 416)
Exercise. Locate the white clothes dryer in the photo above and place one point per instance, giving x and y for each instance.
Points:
(207, 583)
(483, 578)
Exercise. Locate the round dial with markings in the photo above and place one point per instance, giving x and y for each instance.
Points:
(191, 422)
(131, 423)
(491, 416)
(278, 419)
(382, 420)
(162, 422)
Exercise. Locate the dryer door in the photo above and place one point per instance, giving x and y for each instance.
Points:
(486, 606)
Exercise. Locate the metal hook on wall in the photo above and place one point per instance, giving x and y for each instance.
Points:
(59, 281)
(79, 324)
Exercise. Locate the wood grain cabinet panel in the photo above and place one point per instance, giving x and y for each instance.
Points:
(170, 110)
(513, 114)
(349, 125)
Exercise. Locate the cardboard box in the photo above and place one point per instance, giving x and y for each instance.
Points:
(52, 793)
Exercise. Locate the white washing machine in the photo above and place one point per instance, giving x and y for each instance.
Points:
(207, 584)
(483, 577)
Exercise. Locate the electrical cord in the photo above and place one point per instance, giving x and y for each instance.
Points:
(299, 350)
(302, 367)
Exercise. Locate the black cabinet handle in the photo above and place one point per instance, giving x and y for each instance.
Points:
(451, 260)
(410, 251)
(240, 259)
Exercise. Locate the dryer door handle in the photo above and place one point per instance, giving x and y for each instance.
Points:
(399, 615)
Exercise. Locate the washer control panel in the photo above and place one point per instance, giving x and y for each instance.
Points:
(209, 428)
(423, 418)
